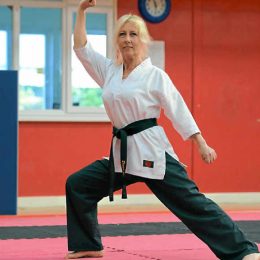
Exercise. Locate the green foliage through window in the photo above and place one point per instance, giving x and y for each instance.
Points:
(90, 97)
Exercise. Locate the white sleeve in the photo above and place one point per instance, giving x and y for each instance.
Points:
(176, 109)
(94, 63)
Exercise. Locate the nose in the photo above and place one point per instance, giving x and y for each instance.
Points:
(127, 38)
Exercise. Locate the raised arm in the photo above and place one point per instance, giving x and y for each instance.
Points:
(80, 34)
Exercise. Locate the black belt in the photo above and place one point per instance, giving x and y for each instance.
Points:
(122, 134)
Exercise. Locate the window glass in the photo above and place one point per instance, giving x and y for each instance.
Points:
(40, 59)
(85, 91)
(3, 50)
(6, 38)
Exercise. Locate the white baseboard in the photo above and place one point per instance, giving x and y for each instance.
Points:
(241, 198)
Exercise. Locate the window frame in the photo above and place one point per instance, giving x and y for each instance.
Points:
(67, 113)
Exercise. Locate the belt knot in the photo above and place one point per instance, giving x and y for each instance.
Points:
(118, 132)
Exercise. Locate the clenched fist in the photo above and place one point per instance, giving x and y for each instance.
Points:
(84, 4)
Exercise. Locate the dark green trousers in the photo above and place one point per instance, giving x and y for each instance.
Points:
(176, 191)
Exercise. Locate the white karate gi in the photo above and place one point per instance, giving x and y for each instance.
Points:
(141, 95)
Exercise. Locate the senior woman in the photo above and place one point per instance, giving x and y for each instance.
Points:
(134, 91)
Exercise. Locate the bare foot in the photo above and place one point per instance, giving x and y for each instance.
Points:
(84, 254)
(255, 256)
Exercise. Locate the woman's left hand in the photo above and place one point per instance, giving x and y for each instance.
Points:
(208, 155)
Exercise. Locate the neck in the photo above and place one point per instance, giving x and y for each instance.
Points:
(131, 64)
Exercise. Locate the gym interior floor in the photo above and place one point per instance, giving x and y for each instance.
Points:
(129, 233)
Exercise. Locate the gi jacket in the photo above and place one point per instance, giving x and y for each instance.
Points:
(142, 95)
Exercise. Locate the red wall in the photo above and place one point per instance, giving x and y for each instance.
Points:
(227, 92)
(213, 57)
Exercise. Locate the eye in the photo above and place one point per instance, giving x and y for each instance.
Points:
(121, 34)
(133, 34)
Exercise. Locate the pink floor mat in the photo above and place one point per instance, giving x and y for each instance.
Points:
(162, 247)
(152, 247)
(159, 247)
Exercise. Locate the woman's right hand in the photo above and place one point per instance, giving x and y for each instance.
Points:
(84, 4)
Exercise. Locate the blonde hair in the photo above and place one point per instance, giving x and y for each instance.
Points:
(141, 27)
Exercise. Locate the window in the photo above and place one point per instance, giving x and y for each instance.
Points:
(53, 85)
(40, 59)
(3, 50)
(85, 91)
(32, 72)
(6, 38)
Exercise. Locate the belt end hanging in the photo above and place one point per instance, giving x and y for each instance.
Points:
(124, 193)
(111, 196)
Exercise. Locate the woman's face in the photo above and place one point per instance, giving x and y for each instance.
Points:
(129, 42)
